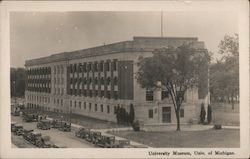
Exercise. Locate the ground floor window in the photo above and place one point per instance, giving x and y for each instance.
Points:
(108, 109)
(182, 113)
(95, 107)
(150, 113)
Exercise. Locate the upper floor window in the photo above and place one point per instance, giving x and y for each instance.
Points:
(164, 94)
(149, 95)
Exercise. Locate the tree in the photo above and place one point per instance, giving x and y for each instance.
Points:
(131, 114)
(177, 69)
(17, 82)
(225, 72)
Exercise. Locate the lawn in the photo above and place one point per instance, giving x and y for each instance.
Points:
(228, 138)
(82, 120)
(223, 114)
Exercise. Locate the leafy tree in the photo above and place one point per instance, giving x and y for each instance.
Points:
(225, 72)
(177, 69)
(131, 114)
(17, 82)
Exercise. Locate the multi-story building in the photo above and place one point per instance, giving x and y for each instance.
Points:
(94, 82)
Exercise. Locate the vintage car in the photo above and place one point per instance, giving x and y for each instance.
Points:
(55, 123)
(44, 124)
(83, 133)
(12, 126)
(107, 141)
(18, 129)
(32, 136)
(96, 135)
(65, 126)
(26, 133)
(59, 145)
(43, 142)
(122, 143)
(30, 117)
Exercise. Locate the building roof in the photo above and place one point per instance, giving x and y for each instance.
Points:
(138, 44)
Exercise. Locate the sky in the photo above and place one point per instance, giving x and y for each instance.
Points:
(40, 34)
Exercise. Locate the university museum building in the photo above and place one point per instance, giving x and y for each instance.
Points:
(94, 82)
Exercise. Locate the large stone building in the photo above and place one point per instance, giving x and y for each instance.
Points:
(94, 82)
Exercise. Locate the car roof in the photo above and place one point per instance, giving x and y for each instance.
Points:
(36, 133)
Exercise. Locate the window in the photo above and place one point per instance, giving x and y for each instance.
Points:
(102, 80)
(80, 105)
(107, 66)
(108, 109)
(57, 101)
(150, 113)
(61, 102)
(89, 106)
(101, 66)
(115, 65)
(75, 104)
(114, 109)
(84, 105)
(115, 81)
(108, 81)
(101, 108)
(164, 94)
(95, 107)
(182, 113)
(149, 95)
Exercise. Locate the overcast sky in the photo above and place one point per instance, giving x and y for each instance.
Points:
(39, 34)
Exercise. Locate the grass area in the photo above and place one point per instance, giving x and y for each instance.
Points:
(223, 114)
(89, 122)
(228, 138)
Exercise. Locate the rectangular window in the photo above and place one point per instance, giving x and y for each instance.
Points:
(61, 102)
(182, 113)
(101, 108)
(150, 113)
(70, 103)
(149, 95)
(80, 105)
(75, 104)
(108, 109)
(84, 105)
(164, 94)
(95, 107)
(89, 106)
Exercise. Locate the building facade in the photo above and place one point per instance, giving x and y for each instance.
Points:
(94, 82)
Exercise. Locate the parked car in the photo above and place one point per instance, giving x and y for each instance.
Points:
(55, 123)
(44, 124)
(27, 133)
(65, 126)
(12, 126)
(43, 142)
(30, 117)
(18, 129)
(59, 145)
(107, 141)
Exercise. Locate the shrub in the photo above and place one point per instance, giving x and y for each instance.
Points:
(131, 114)
(209, 114)
(202, 114)
(136, 126)
(217, 127)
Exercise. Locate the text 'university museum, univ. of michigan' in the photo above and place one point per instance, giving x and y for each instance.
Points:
(95, 81)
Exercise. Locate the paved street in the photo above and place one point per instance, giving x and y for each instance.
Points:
(56, 136)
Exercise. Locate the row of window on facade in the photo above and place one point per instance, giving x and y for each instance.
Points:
(88, 106)
(58, 69)
(39, 71)
(94, 66)
(164, 94)
(96, 80)
(41, 99)
(151, 113)
(95, 93)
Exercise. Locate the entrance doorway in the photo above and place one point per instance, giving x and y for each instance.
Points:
(166, 114)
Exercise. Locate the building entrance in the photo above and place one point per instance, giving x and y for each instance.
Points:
(166, 114)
